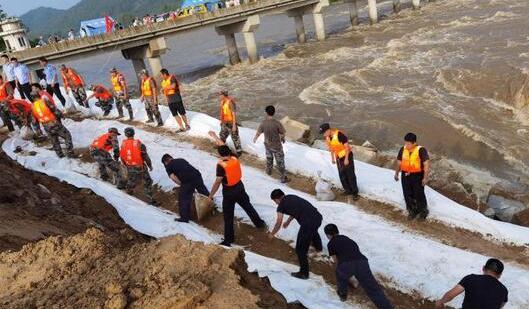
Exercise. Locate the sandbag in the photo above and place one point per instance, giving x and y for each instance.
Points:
(324, 190)
(201, 207)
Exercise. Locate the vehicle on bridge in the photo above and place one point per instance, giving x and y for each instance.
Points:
(97, 26)
(191, 7)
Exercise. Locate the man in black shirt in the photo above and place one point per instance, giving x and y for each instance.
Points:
(229, 174)
(481, 291)
(309, 220)
(414, 163)
(189, 179)
(351, 262)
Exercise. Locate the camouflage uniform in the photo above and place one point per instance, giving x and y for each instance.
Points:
(135, 173)
(225, 131)
(279, 156)
(79, 94)
(121, 101)
(27, 119)
(152, 109)
(105, 161)
(106, 105)
(56, 129)
(4, 115)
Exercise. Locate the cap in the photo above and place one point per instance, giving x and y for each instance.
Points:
(224, 92)
(144, 72)
(113, 130)
(113, 70)
(324, 127)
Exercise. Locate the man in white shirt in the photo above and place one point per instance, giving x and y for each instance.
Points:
(9, 71)
(23, 79)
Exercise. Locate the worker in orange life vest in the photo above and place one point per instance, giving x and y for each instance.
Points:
(228, 121)
(121, 92)
(342, 156)
(74, 83)
(22, 112)
(149, 97)
(104, 97)
(171, 90)
(414, 167)
(134, 156)
(100, 152)
(6, 94)
(47, 114)
(229, 174)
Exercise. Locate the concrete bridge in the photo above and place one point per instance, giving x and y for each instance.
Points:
(148, 41)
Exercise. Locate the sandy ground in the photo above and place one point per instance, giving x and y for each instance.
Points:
(62, 247)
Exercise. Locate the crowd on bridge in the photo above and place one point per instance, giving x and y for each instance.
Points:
(26, 103)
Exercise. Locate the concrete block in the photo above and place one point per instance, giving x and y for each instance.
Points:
(296, 130)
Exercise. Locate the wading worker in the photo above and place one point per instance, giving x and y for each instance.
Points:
(342, 156)
(171, 90)
(189, 179)
(274, 134)
(309, 220)
(100, 152)
(351, 262)
(229, 174)
(228, 121)
(414, 163)
(481, 291)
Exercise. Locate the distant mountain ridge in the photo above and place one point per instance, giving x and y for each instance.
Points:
(47, 21)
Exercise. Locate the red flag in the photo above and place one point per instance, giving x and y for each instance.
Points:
(109, 24)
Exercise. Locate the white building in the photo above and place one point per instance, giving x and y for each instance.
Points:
(14, 34)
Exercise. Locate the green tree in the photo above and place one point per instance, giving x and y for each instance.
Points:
(3, 14)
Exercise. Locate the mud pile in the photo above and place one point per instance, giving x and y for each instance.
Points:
(99, 270)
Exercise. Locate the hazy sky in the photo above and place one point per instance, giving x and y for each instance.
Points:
(19, 7)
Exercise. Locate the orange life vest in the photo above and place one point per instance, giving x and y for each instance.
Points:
(17, 106)
(334, 144)
(102, 93)
(411, 161)
(70, 76)
(166, 86)
(102, 143)
(130, 153)
(146, 89)
(226, 114)
(232, 167)
(42, 112)
(3, 91)
(115, 82)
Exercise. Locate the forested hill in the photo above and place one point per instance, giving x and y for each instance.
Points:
(45, 21)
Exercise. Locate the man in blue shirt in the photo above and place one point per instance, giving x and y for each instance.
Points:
(9, 71)
(52, 79)
(23, 79)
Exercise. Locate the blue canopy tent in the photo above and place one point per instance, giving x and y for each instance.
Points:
(94, 26)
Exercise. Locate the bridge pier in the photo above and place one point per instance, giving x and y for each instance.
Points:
(353, 12)
(396, 6)
(317, 15)
(152, 52)
(373, 11)
(248, 28)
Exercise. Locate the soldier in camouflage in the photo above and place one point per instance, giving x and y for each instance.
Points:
(149, 97)
(6, 94)
(100, 152)
(121, 93)
(52, 123)
(228, 121)
(138, 164)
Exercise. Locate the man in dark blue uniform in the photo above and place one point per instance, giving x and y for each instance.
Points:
(351, 262)
(309, 220)
(189, 179)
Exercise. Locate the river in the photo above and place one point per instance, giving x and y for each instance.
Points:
(454, 72)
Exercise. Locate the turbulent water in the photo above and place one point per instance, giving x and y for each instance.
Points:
(454, 72)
